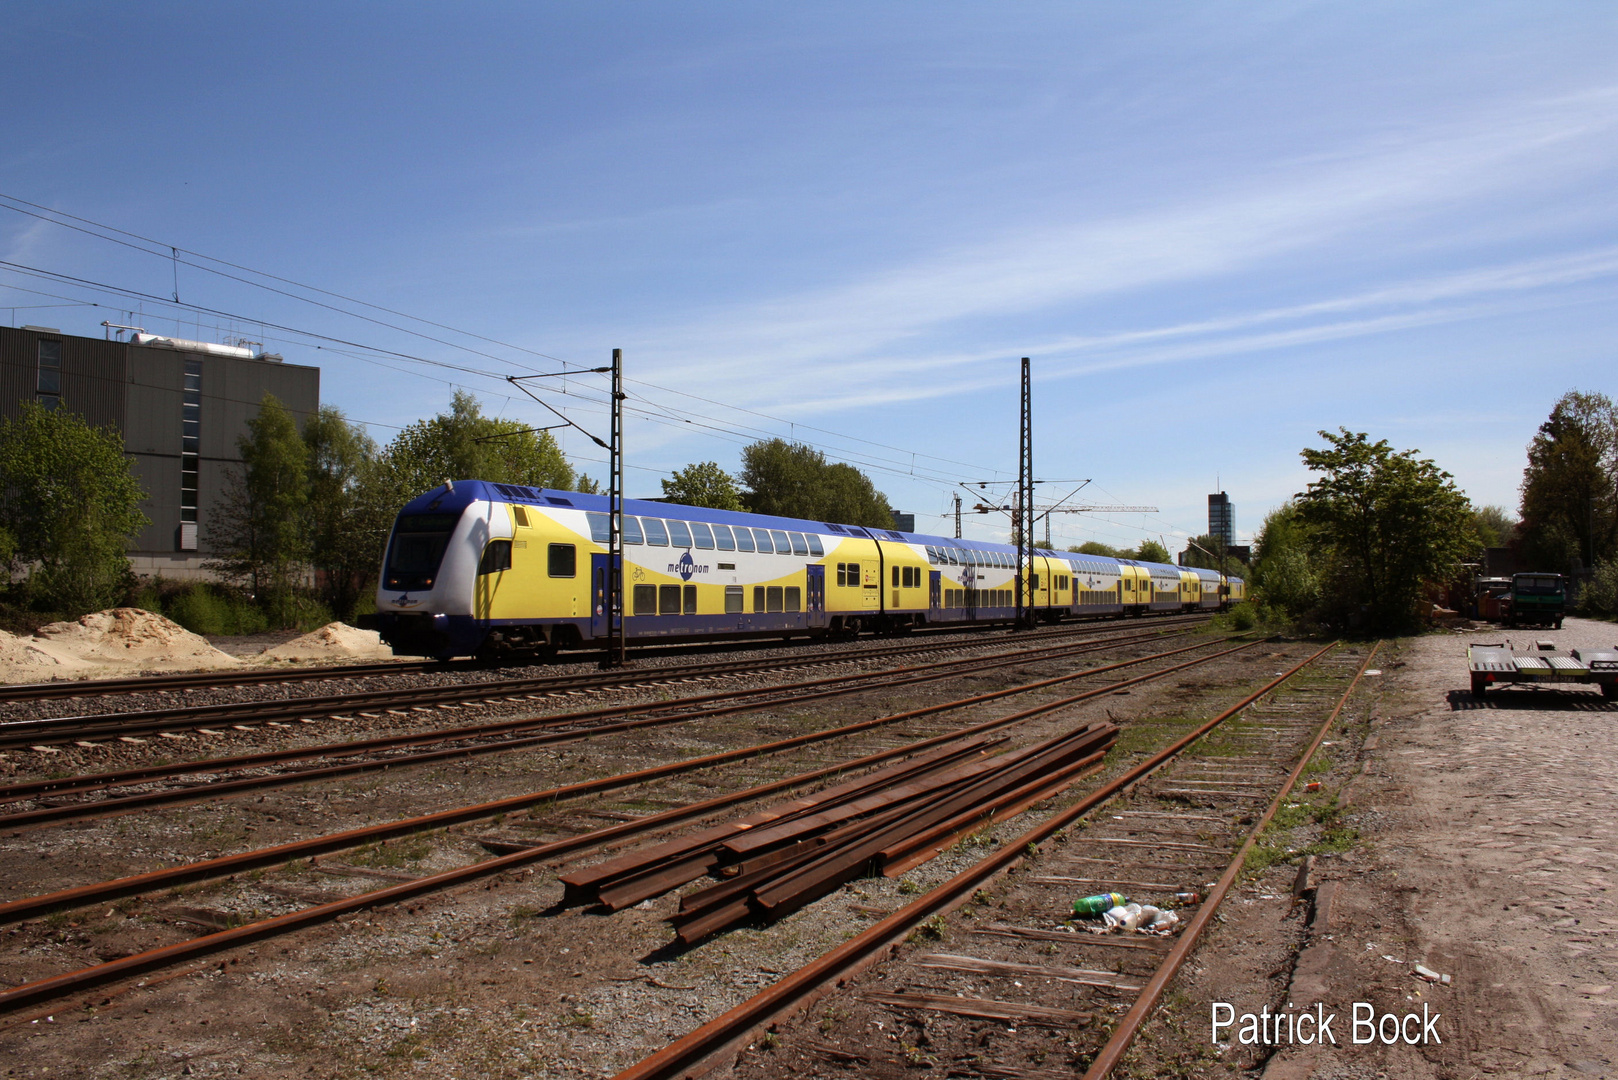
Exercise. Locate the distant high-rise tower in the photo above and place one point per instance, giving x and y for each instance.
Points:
(1222, 519)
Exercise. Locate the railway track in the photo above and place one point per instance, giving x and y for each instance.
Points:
(300, 856)
(256, 677)
(50, 732)
(207, 776)
(1025, 995)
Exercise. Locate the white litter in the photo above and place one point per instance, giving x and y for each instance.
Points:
(1140, 919)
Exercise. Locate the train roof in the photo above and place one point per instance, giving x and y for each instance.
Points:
(462, 493)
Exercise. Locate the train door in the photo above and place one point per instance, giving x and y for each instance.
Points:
(935, 590)
(600, 627)
(815, 595)
(969, 591)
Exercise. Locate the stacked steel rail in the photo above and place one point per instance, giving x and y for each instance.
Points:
(773, 862)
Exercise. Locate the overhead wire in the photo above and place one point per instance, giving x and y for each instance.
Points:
(170, 252)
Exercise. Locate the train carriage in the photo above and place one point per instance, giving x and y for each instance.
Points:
(477, 568)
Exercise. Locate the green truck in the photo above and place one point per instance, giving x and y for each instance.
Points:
(1537, 600)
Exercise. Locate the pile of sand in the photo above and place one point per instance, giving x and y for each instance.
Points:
(27, 659)
(334, 641)
(130, 639)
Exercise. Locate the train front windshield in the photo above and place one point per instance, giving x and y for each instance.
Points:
(418, 547)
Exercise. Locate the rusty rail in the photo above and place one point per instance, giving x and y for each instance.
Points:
(567, 725)
(1124, 1034)
(72, 982)
(801, 988)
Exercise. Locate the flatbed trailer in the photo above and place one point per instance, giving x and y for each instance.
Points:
(1498, 664)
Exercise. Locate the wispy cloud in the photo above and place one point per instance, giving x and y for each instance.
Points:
(867, 338)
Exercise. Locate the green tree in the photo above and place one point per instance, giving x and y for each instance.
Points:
(1204, 552)
(259, 536)
(1570, 488)
(1151, 551)
(342, 550)
(1283, 573)
(463, 444)
(1096, 547)
(70, 504)
(1386, 524)
(1495, 526)
(703, 484)
(794, 480)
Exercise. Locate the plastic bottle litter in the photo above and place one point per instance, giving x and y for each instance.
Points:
(1091, 906)
(1143, 918)
(1190, 896)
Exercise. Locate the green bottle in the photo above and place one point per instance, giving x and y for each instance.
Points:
(1091, 906)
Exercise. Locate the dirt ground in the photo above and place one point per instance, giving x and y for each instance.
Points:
(1486, 850)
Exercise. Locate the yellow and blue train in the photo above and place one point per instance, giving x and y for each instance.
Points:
(483, 569)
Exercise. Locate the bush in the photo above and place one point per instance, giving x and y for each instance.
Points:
(1600, 595)
(203, 609)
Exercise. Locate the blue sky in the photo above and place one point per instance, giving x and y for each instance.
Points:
(1216, 228)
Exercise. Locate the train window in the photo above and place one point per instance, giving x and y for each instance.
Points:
(761, 541)
(783, 545)
(632, 530)
(496, 557)
(563, 561)
(645, 599)
(733, 599)
(744, 538)
(814, 546)
(895, 577)
(521, 515)
(772, 599)
(793, 598)
(656, 534)
(758, 599)
(600, 528)
(722, 538)
(800, 543)
(668, 599)
(690, 599)
(679, 535)
(702, 535)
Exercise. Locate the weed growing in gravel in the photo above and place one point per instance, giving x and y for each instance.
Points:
(394, 853)
(931, 930)
(1335, 835)
(907, 886)
(579, 1019)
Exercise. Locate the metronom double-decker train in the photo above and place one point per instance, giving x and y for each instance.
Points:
(490, 570)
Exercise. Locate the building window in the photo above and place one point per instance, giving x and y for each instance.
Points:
(48, 382)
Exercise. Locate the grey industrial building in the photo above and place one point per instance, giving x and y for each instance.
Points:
(181, 406)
